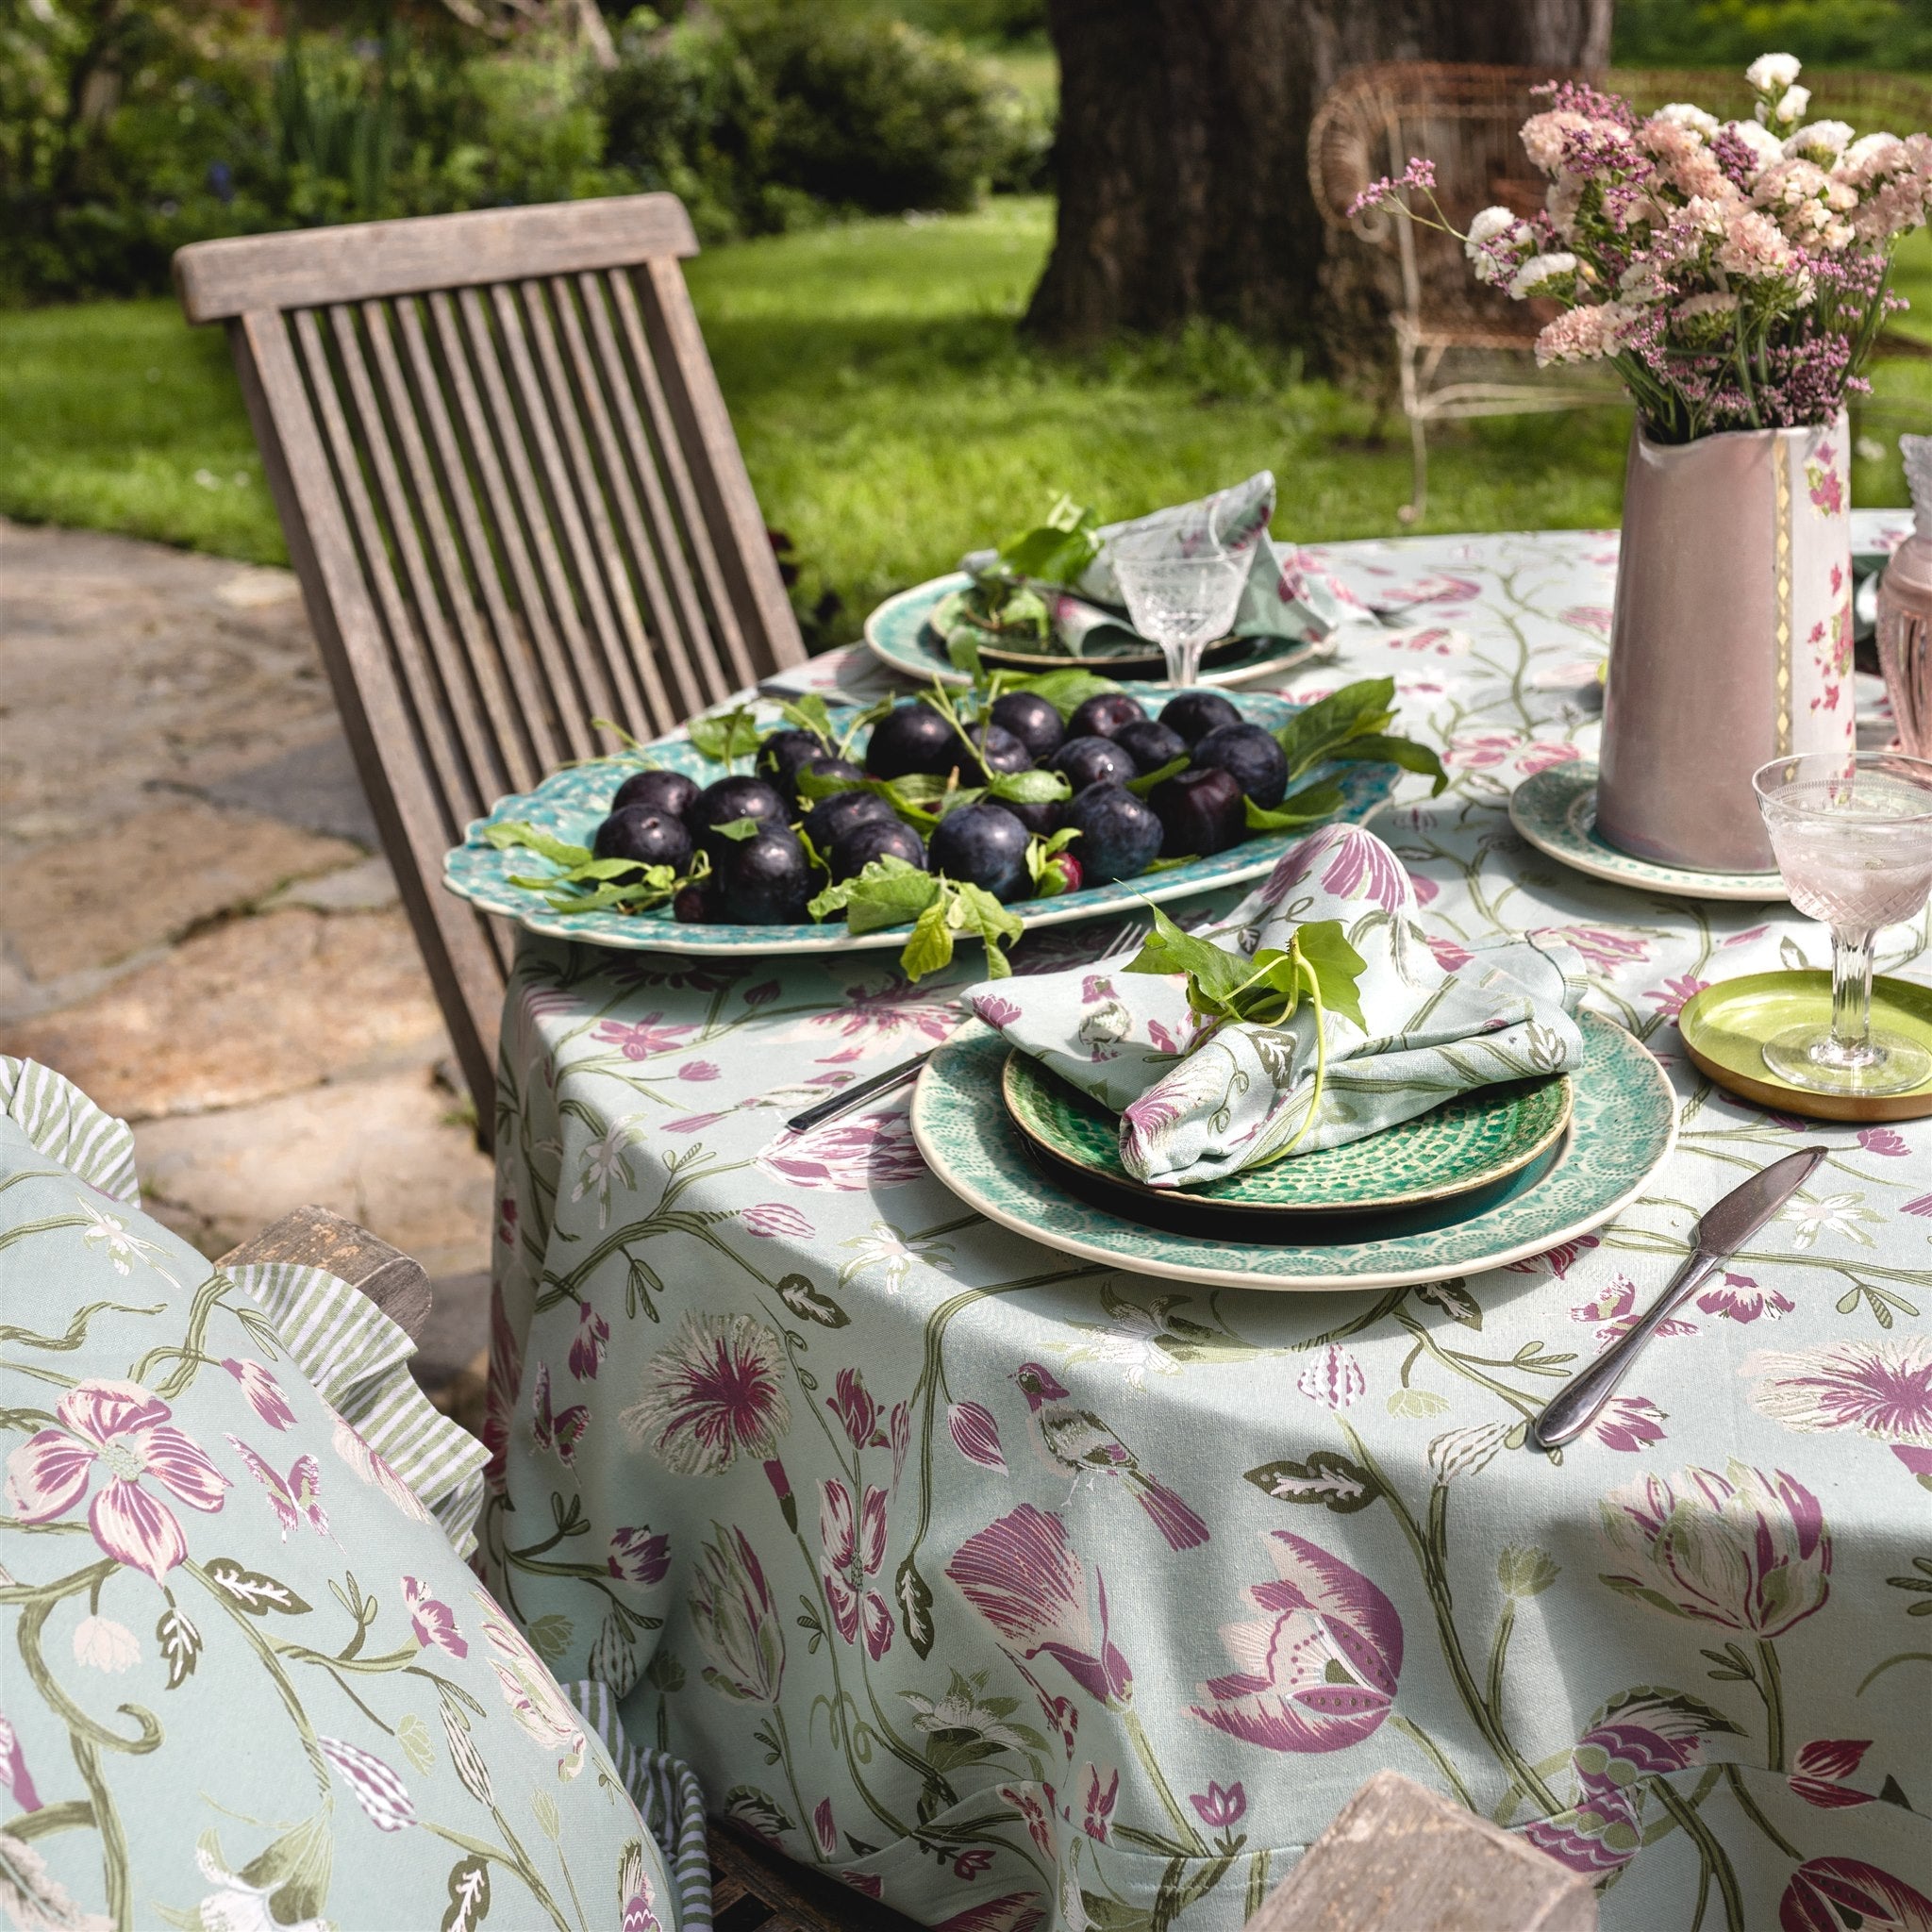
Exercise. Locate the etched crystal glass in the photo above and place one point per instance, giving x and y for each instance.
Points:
(1853, 835)
(1182, 590)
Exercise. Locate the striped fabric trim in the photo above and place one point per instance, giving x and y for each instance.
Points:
(359, 1360)
(666, 1792)
(68, 1127)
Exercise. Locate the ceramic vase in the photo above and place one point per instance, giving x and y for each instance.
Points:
(1731, 639)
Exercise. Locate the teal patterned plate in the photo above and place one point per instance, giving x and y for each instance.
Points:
(569, 804)
(1555, 811)
(1622, 1127)
(898, 634)
(1470, 1142)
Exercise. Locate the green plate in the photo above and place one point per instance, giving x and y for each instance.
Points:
(1473, 1141)
(898, 634)
(1622, 1127)
(1555, 811)
(1724, 1028)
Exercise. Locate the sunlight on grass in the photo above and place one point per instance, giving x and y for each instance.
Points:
(891, 415)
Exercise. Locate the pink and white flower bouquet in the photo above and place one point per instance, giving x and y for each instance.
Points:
(1734, 274)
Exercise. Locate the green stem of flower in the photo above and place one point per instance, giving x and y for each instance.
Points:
(1771, 1687)
(1183, 1826)
(1708, 1849)
(791, 1778)
(1733, 1776)
(1433, 1751)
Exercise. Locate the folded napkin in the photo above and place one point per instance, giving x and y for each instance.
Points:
(1287, 594)
(1195, 1110)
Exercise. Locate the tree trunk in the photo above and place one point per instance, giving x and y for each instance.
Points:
(1182, 155)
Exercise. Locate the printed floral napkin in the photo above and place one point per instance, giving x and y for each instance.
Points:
(1287, 594)
(1195, 1110)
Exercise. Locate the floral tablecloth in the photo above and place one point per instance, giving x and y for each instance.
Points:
(865, 1507)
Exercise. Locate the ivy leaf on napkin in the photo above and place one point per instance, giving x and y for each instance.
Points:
(1056, 550)
(1267, 988)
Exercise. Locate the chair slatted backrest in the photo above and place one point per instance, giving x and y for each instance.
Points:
(514, 497)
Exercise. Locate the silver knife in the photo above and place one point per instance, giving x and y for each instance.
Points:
(1724, 1228)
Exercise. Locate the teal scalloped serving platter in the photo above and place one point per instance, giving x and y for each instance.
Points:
(571, 803)
(1472, 1142)
(898, 634)
(1622, 1127)
(1555, 811)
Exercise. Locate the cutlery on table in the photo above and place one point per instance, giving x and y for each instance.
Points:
(1724, 1228)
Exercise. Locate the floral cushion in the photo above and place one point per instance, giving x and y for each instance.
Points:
(249, 1682)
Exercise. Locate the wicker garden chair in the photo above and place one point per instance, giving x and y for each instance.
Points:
(1466, 119)
(513, 498)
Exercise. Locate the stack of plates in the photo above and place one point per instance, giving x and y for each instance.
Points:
(1489, 1178)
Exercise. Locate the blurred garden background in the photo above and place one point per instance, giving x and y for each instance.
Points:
(873, 187)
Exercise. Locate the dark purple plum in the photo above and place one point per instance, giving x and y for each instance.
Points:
(911, 737)
(666, 791)
(781, 756)
(728, 799)
(830, 820)
(1042, 817)
(1150, 745)
(982, 846)
(763, 881)
(874, 838)
(1103, 716)
(1093, 762)
(825, 766)
(1194, 713)
(1200, 811)
(690, 907)
(997, 750)
(1120, 836)
(652, 838)
(1032, 721)
(1258, 764)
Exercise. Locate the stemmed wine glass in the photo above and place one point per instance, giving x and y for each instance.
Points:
(1181, 593)
(1853, 835)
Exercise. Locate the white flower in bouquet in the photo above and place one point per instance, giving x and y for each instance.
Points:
(1545, 275)
(1771, 73)
(1584, 334)
(1789, 109)
(1543, 136)
(1809, 204)
(1766, 148)
(1756, 248)
(1821, 142)
(1870, 157)
(1683, 114)
(1497, 241)
(1683, 153)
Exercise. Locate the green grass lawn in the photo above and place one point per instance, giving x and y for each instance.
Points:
(890, 414)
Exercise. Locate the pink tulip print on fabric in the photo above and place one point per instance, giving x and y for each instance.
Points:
(1030, 1596)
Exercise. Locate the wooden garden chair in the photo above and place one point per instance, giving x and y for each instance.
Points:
(512, 495)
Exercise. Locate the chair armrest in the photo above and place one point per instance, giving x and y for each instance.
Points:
(1398, 1858)
(315, 1238)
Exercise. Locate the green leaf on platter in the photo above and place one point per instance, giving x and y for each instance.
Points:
(469, 1895)
(550, 1636)
(915, 1607)
(810, 1304)
(1300, 809)
(739, 830)
(931, 948)
(732, 734)
(890, 892)
(1035, 787)
(252, 1591)
(618, 732)
(1169, 864)
(1212, 971)
(180, 1644)
(1336, 964)
(908, 796)
(973, 909)
(509, 834)
(1355, 710)
(1377, 748)
(1056, 550)
(1325, 1478)
(1049, 881)
(809, 711)
(1145, 783)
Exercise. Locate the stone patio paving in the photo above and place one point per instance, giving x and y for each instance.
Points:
(197, 926)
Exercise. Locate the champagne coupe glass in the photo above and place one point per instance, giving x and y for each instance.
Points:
(1181, 591)
(1853, 835)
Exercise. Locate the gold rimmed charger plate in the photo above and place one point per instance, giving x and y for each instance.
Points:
(1471, 1142)
(1726, 1025)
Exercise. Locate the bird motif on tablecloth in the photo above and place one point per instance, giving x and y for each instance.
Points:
(1078, 1441)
